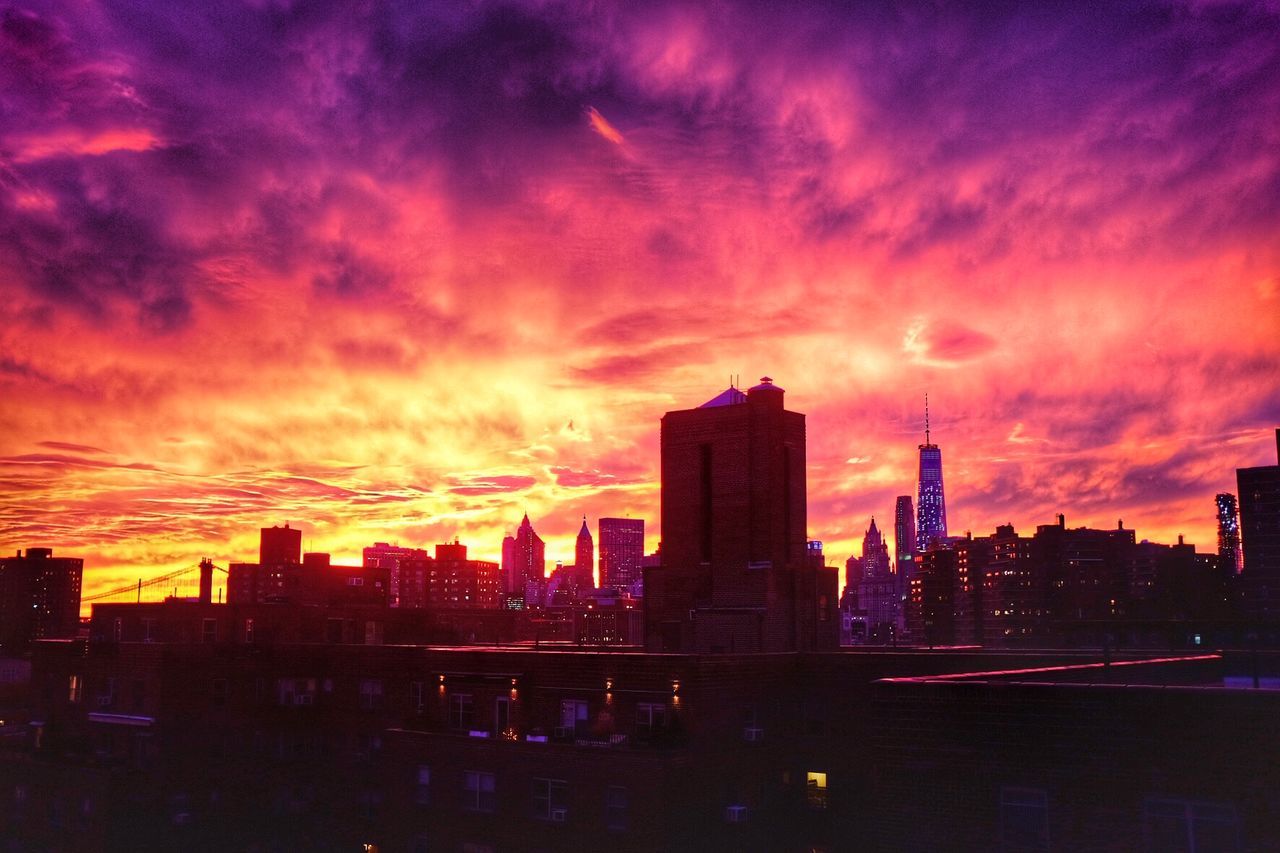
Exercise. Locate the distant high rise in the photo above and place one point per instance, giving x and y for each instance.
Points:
(904, 533)
(875, 553)
(584, 559)
(39, 598)
(621, 550)
(878, 591)
(735, 574)
(280, 546)
(529, 555)
(382, 555)
(510, 578)
(1229, 556)
(931, 506)
(1259, 491)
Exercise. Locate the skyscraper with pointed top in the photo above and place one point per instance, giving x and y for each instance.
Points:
(528, 559)
(931, 505)
(584, 558)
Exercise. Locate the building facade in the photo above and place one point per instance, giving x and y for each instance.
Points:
(39, 598)
(735, 574)
(621, 552)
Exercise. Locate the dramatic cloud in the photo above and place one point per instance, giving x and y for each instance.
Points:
(404, 272)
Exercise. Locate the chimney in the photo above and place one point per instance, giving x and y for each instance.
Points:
(206, 581)
(1062, 521)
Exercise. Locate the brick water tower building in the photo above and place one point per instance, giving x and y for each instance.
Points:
(734, 574)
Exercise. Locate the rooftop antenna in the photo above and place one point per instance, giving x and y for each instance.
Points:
(926, 417)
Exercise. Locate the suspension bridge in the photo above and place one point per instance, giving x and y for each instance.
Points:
(180, 583)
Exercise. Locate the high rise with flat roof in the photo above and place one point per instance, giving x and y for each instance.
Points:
(1259, 491)
(39, 598)
(621, 550)
(735, 574)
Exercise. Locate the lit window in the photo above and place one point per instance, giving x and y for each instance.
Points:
(816, 790)
(74, 687)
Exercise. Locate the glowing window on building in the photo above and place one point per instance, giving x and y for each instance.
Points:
(816, 789)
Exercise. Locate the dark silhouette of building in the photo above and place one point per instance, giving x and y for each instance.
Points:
(280, 546)
(878, 596)
(931, 504)
(39, 598)
(528, 563)
(584, 561)
(382, 555)
(621, 552)
(1259, 491)
(734, 574)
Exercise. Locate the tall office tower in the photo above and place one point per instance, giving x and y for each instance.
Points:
(584, 559)
(904, 533)
(878, 591)
(1259, 491)
(875, 553)
(509, 575)
(734, 574)
(1229, 557)
(280, 546)
(39, 598)
(529, 563)
(931, 506)
(621, 550)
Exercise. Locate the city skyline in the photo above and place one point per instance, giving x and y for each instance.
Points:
(402, 277)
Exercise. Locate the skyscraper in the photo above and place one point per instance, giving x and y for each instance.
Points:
(584, 560)
(621, 550)
(878, 591)
(735, 574)
(904, 534)
(931, 506)
(529, 559)
(1259, 491)
(39, 598)
(1229, 556)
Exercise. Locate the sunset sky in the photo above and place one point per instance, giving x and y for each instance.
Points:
(402, 272)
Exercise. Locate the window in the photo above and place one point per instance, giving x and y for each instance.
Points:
(117, 629)
(73, 690)
(219, 692)
(1024, 820)
(478, 791)
(209, 630)
(1183, 826)
(422, 791)
(461, 711)
(372, 633)
(650, 717)
(248, 630)
(573, 718)
(417, 695)
(148, 630)
(615, 808)
(551, 800)
(370, 694)
(501, 715)
(816, 790)
(355, 581)
(296, 691)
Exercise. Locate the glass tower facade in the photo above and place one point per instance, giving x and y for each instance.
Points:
(931, 505)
